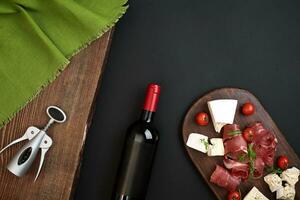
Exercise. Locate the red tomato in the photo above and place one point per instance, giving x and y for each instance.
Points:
(282, 162)
(248, 135)
(248, 108)
(234, 196)
(202, 119)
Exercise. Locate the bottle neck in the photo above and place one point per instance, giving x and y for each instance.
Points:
(147, 116)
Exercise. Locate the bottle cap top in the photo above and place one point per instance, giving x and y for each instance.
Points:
(151, 100)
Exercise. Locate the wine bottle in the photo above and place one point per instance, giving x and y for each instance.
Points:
(138, 152)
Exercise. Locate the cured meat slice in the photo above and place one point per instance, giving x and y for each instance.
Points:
(228, 131)
(259, 166)
(264, 143)
(237, 169)
(265, 147)
(224, 179)
(257, 127)
(269, 158)
(235, 147)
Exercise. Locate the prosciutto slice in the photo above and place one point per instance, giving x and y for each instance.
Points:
(224, 179)
(259, 166)
(235, 147)
(264, 143)
(237, 169)
(266, 153)
(228, 130)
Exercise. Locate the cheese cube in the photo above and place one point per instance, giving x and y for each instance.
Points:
(198, 142)
(255, 194)
(222, 112)
(290, 175)
(286, 193)
(274, 182)
(216, 148)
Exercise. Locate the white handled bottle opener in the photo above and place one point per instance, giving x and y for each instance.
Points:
(38, 139)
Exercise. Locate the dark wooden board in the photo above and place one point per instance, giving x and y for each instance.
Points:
(206, 165)
(74, 91)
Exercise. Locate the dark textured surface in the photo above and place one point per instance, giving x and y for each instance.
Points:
(190, 47)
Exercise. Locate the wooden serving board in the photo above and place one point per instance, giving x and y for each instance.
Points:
(74, 91)
(206, 165)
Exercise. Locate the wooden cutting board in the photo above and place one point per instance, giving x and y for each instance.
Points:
(206, 165)
(74, 91)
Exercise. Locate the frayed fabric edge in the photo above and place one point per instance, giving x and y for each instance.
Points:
(64, 65)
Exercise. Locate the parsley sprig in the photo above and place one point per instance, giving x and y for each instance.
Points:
(242, 157)
(273, 170)
(252, 157)
(234, 133)
(205, 143)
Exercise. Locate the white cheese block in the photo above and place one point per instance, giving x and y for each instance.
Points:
(198, 141)
(286, 193)
(255, 194)
(222, 112)
(290, 175)
(274, 182)
(216, 148)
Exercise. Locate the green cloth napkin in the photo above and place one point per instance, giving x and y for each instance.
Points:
(37, 39)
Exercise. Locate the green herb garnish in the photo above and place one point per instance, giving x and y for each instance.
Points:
(251, 152)
(251, 167)
(233, 133)
(242, 158)
(205, 143)
(273, 170)
(252, 157)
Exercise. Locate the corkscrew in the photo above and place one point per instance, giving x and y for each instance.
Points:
(37, 139)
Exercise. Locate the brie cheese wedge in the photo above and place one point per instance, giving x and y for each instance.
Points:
(286, 193)
(198, 141)
(216, 148)
(255, 194)
(274, 182)
(290, 175)
(222, 112)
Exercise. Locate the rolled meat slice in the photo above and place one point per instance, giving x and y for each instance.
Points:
(236, 147)
(229, 130)
(265, 147)
(237, 169)
(256, 126)
(264, 144)
(223, 178)
(259, 166)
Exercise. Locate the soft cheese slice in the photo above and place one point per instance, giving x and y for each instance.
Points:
(286, 193)
(274, 182)
(255, 194)
(198, 141)
(290, 175)
(216, 148)
(222, 112)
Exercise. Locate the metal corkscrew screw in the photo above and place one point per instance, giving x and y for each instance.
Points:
(38, 139)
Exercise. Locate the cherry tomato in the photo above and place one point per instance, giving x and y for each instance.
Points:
(202, 119)
(282, 162)
(248, 108)
(248, 135)
(234, 196)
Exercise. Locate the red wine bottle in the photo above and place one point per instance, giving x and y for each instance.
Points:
(138, 152)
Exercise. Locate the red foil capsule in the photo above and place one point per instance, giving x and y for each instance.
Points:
(152, 95)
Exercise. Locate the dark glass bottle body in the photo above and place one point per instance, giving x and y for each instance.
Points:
(137, 158)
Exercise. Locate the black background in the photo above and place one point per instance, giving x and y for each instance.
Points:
(190, 47)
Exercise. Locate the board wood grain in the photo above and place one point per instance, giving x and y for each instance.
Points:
(206, 165)
(74, 91)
